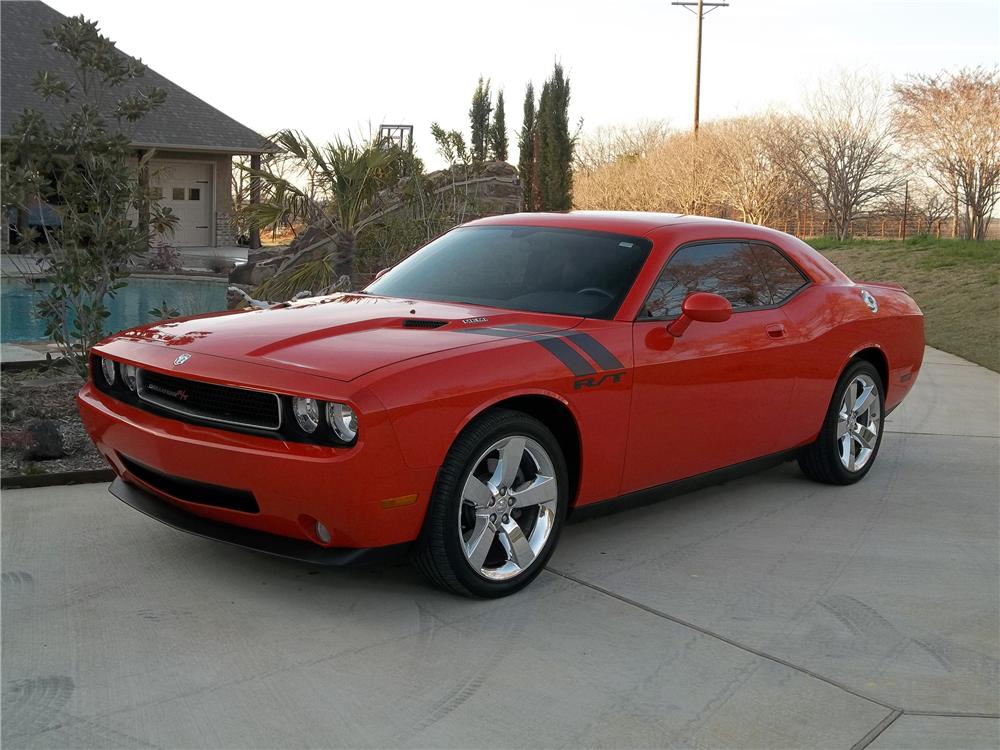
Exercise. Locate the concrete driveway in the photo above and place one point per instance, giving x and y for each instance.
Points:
(767, 612)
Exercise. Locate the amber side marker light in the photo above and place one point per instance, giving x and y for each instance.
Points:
(399, 502)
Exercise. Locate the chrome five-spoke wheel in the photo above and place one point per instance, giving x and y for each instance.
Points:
(858, 422)
(849, 439)
(498, 505)
(508, 508)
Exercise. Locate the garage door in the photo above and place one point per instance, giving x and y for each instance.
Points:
(186, 189)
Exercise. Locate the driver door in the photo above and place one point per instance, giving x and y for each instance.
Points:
(717, 395)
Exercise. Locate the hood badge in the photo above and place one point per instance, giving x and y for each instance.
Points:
(470, 321)
(869, 300)
(181, 359)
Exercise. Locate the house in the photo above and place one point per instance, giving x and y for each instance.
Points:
(193, 142)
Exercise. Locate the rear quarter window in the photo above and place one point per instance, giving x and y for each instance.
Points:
(783, 278)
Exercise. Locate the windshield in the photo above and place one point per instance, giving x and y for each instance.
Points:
(536, 269)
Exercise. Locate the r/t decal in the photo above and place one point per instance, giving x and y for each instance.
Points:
(597, 381)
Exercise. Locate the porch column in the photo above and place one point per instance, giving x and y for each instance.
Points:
(144, 203)
(254, 200)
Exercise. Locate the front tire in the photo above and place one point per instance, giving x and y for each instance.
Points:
(497, 508)
(849, 440)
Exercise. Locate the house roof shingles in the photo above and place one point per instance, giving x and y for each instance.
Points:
(183, 122)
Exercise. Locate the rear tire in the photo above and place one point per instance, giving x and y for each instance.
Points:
(497, 507)
(851, 434)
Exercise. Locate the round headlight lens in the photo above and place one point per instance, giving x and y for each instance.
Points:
(306, 412)
(128, 375)
(343, 421)
(108, 368)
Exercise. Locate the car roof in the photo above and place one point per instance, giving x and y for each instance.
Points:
(624, 222)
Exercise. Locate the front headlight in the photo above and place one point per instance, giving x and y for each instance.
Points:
(306, 411)
(128, 375)
(108, 368)
(342, 420)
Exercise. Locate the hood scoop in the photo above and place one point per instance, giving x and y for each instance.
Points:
(423, 323)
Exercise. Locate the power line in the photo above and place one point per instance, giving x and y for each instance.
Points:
(701, 12)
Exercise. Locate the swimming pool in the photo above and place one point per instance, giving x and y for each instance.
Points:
(19, 320)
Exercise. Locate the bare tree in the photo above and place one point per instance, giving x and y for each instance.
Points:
(609, 144)
(846, 148)
(952, 123)
(758, 163)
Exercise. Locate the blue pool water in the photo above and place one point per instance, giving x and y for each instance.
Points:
(19, 320)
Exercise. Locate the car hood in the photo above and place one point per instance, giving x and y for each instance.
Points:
(343, 336)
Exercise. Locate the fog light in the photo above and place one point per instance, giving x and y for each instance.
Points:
(323, 533)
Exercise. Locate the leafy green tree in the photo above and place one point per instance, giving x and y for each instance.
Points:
(451, 145)
(555, 144)
(479, 119)
(81, 166)
(498, 131)
(526, 149)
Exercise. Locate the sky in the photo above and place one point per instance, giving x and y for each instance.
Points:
(330, 68)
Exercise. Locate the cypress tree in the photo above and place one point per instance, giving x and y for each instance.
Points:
(479, 119)
(526, 149)
(555, 145)
(498, 131)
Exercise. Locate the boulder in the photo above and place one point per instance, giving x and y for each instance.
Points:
(42, 440)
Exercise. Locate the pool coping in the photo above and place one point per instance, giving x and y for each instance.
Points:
(56, 478)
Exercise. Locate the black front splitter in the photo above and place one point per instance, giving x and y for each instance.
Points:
(259, 541)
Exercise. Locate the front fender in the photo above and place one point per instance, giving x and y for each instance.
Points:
(431, 402)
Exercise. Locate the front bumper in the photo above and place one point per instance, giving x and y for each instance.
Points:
(354, 492)
(260, 541)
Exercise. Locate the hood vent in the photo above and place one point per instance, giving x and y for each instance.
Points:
(423, 323)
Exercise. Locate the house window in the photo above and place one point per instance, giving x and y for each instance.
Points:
(177, 194)
(194, 194)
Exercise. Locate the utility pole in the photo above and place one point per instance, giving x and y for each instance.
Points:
(701, 5)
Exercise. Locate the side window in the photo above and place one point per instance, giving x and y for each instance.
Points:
(729, 269)
(783, 278)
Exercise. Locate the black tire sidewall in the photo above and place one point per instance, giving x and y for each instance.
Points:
(448, 495)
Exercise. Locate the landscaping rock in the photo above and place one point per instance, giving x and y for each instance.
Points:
(43, 441)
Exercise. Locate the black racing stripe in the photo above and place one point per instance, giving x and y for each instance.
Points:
(525, 327)
(596, 351)
(552, 343)
(505, 333)
(567, 355)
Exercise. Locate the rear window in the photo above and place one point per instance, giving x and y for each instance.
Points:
(535, 269)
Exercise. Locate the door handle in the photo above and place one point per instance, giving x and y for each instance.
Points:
(776, 331)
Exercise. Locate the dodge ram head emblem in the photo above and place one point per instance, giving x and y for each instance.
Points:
(181, 359)
(869, 300)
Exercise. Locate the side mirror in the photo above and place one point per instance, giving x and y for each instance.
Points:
(703, 307)
(381, 273)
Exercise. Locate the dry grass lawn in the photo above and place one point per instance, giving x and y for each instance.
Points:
(956, 284)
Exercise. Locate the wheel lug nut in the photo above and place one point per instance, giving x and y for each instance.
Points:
(511, 501)
(492, 503)
(503, 490)
(493, 518)
(505, 518)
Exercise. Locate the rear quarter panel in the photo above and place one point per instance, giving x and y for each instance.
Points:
(832, 324)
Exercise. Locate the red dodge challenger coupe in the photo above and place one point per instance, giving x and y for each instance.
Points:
(515, 370)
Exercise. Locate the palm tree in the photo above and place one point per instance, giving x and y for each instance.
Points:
(331, 190)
